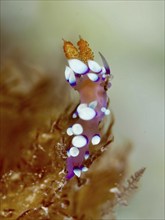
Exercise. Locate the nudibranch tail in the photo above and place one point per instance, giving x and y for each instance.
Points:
(91, 80)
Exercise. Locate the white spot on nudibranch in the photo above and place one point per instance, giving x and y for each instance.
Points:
(79, 141)
(103, 109)
(74, 151)
(72, 79)
(96, 139)
(84, 169)
(103, 70)
(81, 106)
(95, 67)
(87, 113)
(68, 153)
(93, 77)
(86, 156)
(78, 66)
(107, 112)
(74, 115)
(69, 131)
(77, 172)
(77, 129)
(67, 72)
(93, 104)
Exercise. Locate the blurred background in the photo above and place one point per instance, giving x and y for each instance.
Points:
(130, 34)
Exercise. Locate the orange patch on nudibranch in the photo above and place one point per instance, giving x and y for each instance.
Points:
(70, 50)
(83, 53)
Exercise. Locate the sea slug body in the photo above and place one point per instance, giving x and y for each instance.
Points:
(91, 81)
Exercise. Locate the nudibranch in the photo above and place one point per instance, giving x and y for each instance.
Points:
(91, 81)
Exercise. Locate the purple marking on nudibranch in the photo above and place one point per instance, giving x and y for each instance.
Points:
(90, 80)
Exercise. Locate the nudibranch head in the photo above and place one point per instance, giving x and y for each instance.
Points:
(91, 80)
